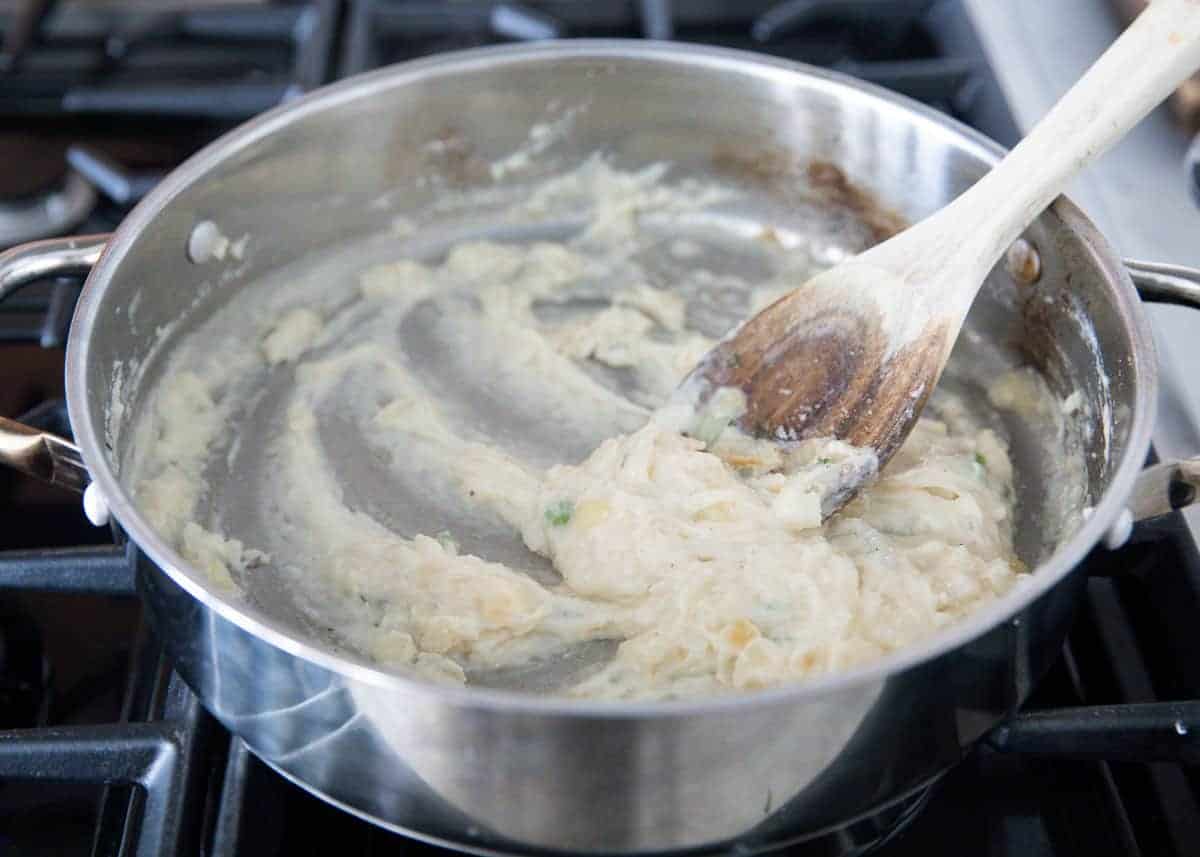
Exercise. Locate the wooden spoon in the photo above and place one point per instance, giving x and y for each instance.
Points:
(854, 353)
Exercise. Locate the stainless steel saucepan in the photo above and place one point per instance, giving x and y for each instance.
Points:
(501, 770)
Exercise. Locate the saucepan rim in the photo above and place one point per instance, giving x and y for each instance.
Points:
(90, 436)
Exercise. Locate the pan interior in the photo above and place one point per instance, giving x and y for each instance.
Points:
(721, 249)
(434, 189)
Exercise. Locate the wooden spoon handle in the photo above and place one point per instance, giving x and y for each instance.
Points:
(1159, 50)
(1185, 101)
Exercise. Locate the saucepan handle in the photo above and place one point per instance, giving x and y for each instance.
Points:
(1173, 484)
(30, 450)
(55, 257)
(1167, 284)
(1140, 732)
(41, 454)
(1146, 732)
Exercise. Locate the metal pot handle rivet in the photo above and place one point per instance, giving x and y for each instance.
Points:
(1023, 262)
(95, 506)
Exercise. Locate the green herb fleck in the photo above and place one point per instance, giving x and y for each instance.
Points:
(980, 460)
(559, 513)
(733, 360)
(745, 472)
(709, 429)
(824, 460)
(446, 540)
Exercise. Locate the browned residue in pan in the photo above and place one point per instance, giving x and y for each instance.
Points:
(453, 154)
(829, 182)
(819, 180)
(449, 155)
(759, 166)
(1042, 313)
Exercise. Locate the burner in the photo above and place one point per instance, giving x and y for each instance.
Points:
(43, 198)
(46, 213)
(63, 165)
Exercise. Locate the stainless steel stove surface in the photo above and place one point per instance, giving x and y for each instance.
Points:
(105, 751)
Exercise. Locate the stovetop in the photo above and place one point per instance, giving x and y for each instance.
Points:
(108, 752)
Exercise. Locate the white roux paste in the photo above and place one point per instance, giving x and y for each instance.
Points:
(708, 565)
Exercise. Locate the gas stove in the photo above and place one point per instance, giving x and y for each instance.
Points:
(104, 748)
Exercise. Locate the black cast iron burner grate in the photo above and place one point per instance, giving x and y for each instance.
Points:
(211, 61)
(889, 42)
